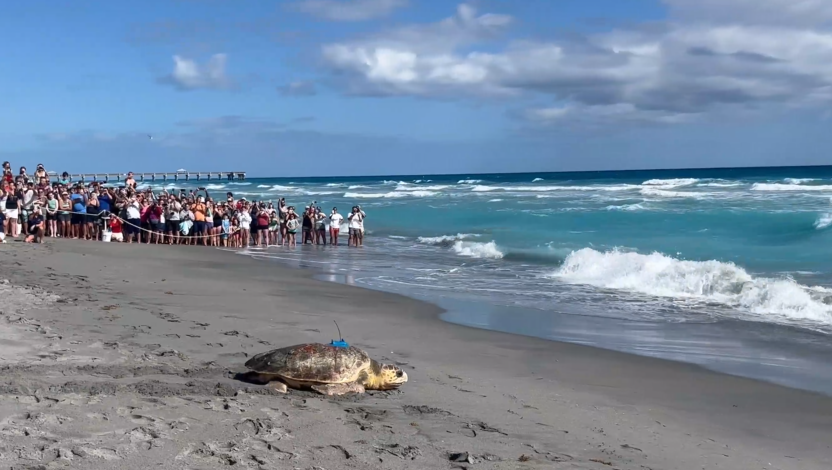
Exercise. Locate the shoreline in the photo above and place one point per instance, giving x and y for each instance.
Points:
(771, 366)
(531, 390)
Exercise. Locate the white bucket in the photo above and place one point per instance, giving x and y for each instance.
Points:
(105, 236)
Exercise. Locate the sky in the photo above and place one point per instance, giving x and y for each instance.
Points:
(386, 87)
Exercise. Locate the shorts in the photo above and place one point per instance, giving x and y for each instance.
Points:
(131, 227)
(78, 219)
(51, 217)
(293, 231)
(209, 226)
(172, 226)
(34, 231)
(91, 218)
(117, 236)
(157, 226)
(64, 217)
(263, 228)
(199, 227)
(357, 232)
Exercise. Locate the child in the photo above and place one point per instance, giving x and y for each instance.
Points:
(273, 227)
(292, 228)
(226, 229)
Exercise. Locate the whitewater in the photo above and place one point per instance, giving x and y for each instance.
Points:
(743, 251)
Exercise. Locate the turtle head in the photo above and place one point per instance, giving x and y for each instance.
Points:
(386, 377)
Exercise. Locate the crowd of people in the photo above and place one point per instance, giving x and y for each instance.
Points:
(38, 207)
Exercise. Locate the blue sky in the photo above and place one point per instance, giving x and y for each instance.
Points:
(329, 87)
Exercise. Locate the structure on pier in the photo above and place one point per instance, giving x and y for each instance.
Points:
(174, 176)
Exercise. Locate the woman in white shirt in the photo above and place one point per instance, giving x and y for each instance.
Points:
(335, 220)
(244, 216)
(356, 233)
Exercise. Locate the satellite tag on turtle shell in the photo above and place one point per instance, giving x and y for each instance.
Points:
(339, 343)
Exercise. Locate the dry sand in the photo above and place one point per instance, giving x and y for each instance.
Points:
(124, 357)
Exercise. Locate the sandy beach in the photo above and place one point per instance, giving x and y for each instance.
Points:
(125, 356)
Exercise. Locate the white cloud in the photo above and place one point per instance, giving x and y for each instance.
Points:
(188, 75)
(774, 12)
(667, 74)
(349, 10)
(298, 88)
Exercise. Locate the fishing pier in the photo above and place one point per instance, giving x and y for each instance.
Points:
(140, 177)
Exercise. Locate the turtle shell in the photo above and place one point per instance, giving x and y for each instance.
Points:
(312, 362)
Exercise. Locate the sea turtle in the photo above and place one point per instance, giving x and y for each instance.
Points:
(325, 368)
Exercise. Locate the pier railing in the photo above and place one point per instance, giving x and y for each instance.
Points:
(174, 176)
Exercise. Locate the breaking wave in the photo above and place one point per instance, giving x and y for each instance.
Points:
(409, 187)
(707, 282)
(789, 187)
(824, 221)
(626, 207)
(477, 250)
(671, 182)
(719, 185)
(665, 193)
(620, 187)
(469, 182)
(446, 240)
(390, 195)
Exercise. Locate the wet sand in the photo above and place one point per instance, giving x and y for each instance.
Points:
(125, 356)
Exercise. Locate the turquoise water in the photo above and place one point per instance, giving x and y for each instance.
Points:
(741, 251)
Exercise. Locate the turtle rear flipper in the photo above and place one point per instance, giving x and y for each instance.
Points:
(338, 389)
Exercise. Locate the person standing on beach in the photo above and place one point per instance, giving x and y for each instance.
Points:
(134, 220)
(79, 209)
(355, 227)
(361, 225)
(28, 202)
(262, 227)
(92, 216)
(306, 226)
(320, 227)
(64, 215)
(173, 217)
(52, 214)
(245, 224)
(292, 227)
(11, 212)
(283, 215)
(335, 220)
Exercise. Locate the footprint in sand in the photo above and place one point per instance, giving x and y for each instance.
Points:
(143, 420)
(167, 317)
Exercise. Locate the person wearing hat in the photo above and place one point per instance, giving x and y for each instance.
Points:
(40, 172)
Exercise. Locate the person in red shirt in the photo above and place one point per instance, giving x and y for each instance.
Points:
(115, 227)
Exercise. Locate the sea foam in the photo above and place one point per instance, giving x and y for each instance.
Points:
(477, 250)
(671, 182)
(824, 221)
(789, 187)
(390, 195)
(446, 239)
(658, 275)
(650, 191)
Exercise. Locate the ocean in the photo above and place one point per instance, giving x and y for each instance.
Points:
(730, 269)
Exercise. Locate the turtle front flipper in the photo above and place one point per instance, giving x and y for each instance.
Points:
(338, 389)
